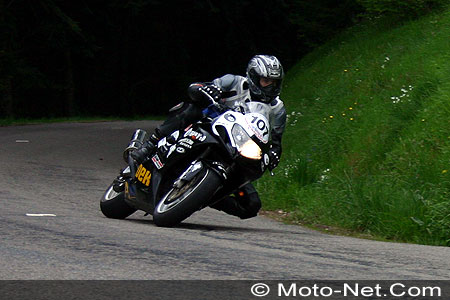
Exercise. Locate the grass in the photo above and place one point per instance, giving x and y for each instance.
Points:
(367, 145)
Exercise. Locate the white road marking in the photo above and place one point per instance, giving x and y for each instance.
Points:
(22, 141)
(40, 215)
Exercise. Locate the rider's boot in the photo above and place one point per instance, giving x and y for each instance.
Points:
(243, 205)
(141, 154)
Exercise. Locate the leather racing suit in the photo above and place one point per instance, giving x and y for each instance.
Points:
(246, 203)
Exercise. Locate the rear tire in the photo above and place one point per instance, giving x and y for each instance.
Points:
(180, 203)
(113, 205)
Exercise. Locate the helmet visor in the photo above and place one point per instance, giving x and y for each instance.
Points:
(270, 86)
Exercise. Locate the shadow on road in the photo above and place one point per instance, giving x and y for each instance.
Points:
(224, 228)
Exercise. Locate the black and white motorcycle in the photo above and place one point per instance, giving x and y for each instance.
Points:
(193, 168)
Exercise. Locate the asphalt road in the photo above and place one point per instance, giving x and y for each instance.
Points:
(63, 169)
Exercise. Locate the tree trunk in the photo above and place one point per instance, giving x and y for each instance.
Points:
(6, 90)
(70, 86)
(7, 99)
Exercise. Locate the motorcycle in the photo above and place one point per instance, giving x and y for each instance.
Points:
(192, 168)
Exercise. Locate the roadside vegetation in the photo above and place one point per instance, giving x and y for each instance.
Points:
(367, 145)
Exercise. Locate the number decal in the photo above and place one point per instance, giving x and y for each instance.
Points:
(259, 125)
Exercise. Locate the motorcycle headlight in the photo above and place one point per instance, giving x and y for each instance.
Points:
(246, 146)
(251, 150)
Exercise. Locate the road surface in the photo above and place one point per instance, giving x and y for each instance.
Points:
(53, 175)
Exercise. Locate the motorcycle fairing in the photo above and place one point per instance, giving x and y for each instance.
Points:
(182, 142)
(255, 124)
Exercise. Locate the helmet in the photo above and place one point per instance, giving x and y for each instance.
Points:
(264, 66)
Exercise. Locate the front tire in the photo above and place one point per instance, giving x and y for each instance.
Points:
(113, 205)
(181, 202)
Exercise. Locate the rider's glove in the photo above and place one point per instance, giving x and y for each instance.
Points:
(274, 159)
(211, 93)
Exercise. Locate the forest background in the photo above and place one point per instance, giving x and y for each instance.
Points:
(136, 58)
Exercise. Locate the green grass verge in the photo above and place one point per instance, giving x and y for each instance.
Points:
(367, 145)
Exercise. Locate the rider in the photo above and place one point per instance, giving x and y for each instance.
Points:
(263, 84)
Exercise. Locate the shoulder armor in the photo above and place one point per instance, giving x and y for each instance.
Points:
(225, 82)
(278, 113)
(277, 104)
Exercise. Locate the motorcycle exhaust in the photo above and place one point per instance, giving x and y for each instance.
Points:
(137, 140)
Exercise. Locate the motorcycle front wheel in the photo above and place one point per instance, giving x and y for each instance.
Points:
(113, 205)
(182, 201)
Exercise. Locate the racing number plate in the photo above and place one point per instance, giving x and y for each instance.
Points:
(143, 175)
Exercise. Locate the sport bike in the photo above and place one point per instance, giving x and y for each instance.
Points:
(192, 168)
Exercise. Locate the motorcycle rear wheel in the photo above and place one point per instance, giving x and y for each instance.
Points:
(113, 205)
(181, 202)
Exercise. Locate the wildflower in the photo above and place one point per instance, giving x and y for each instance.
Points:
(423, 120)
(345, 70)
(343, 114)
(350, 108)
(324, 175)
(351, 119)
(331, 117)
(395, 100)
(444, 171)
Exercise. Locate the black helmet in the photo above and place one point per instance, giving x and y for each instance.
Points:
(264, 66)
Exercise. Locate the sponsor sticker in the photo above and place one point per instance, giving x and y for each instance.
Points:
(143, 175)
(230, 117)
(187, 143)
(194, 135)
(157, 162)
(181, 150)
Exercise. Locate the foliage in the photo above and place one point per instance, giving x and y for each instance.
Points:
(129, 58)
(318, 20)
(63, 58)
(401, 8)
(367, 145)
